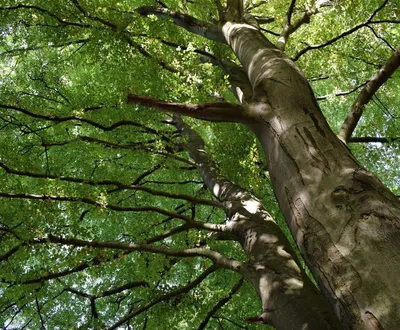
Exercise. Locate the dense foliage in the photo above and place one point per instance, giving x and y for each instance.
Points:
(78, 162)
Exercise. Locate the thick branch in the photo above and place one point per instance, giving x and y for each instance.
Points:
(240, 85)
(217, 258)
(7, 255)
(222, 188)
(234, 10)
(267, 269)
(216, 228)
(215, 111)
(189, 23)
(366, 95)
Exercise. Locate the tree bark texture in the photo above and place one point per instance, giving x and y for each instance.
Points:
(289, 299)
(344, 220)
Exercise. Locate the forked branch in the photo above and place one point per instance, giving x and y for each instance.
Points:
(189, 23)
(292, 28)
(366, 95)
(214, 111)
(342, 35)
(218, 259)
(220, 304)
(222, 188)
(165, 297)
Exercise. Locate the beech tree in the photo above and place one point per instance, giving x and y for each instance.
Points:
(199, 164)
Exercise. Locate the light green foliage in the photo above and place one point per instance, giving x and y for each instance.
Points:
(64, 78)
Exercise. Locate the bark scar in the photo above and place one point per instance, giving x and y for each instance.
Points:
(373, 321)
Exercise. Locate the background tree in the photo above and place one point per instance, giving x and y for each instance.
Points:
(107, 211)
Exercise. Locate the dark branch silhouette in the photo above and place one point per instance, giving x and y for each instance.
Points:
(366, 95)
(342, 35)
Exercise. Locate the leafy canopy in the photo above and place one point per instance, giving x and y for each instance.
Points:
(74, 155)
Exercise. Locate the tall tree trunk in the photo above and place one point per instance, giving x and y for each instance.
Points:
(289, 299)
(344, 220)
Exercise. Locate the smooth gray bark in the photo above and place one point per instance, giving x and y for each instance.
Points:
(289, 298)
(345, 222)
